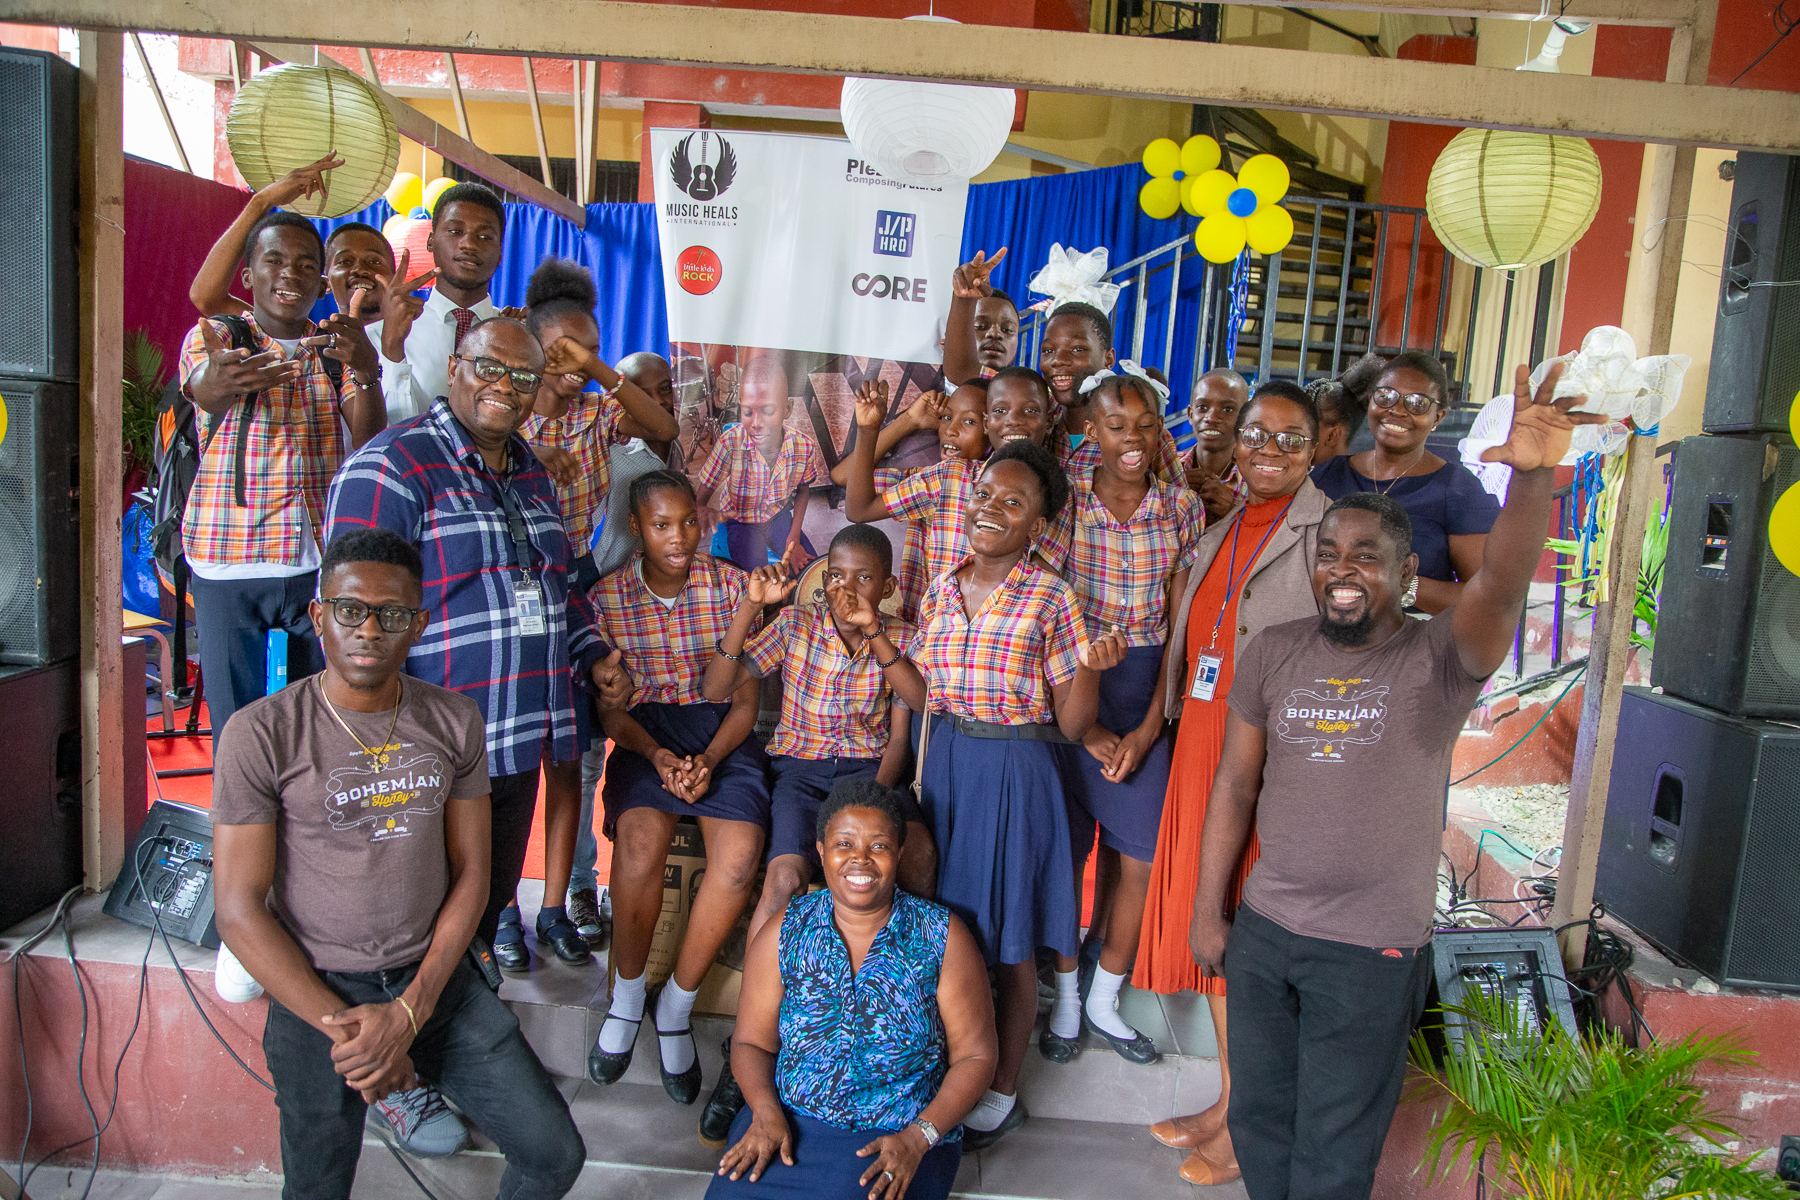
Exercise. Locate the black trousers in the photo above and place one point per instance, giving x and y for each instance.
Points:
(514, 799)
(470, 1048)
(234, 618)
(1317, 1032)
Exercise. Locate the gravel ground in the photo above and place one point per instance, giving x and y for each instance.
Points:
(1531, 815)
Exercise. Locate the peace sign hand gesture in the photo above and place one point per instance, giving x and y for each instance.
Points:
(232, 372)
(871, 404)
(1541, 425)
(970, 282)
(302, 182)
(400, 308)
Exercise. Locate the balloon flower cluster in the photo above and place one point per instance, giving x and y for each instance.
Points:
(413, 202)
(1234, 211)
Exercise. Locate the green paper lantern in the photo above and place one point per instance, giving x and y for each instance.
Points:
(290, 115)
(1512, 200)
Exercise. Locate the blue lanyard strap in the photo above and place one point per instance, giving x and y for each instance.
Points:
(1232, 578)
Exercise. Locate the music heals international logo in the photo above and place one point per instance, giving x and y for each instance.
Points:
(698, 270)
(703, 166)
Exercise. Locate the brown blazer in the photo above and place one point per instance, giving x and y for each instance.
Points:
(1278, 589)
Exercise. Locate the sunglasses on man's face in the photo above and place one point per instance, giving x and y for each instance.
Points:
(1255, 437)
(1417, 403)
(394, 618)
(492, 370)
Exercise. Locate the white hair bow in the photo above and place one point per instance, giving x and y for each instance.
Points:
(1126, 367)
(1070, 278)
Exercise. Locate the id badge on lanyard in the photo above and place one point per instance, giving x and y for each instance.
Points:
(1206, 677)
(528, 605)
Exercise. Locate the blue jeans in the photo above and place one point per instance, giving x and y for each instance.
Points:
(582, 877)
(470, 1048)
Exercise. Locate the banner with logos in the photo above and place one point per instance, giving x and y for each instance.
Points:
(784, 241)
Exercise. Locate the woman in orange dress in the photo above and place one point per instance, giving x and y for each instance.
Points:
(1254, 570)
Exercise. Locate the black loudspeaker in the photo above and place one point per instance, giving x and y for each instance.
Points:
(40, 522)
(1728, 622)
(1701, 845)
(1756, 336)
(40, 802)
(167, 878)
(40, 133)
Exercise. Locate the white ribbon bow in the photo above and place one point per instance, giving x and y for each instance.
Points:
(1070, 278)
(1126, 367)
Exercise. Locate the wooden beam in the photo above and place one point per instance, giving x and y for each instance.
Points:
(162, 105)
(1665, 13)
(590, 130)
(456, 100)
(581, 194)
(1039, 59)
(537, 119)
(368, 65)
(102, 320)
(429, 134)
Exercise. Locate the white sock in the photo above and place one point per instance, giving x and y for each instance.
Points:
(1065, 1018)
(618, 1032)
(989, 1111)
(672, 1009)
(1103, 1004)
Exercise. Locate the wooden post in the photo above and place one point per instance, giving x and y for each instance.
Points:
(1650, 319)
(537, 119)
(456, 96)
(101, 215)
(590, 132)
(581, 191)
(162, 106)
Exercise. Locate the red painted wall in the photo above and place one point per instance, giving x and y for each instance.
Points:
(171, 221)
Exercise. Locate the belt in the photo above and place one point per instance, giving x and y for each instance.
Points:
(970, 727)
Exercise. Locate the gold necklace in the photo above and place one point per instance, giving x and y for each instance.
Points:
(376, 755)
(1417, 459)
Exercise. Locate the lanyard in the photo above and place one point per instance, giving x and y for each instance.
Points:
(1232, 578)
(517, 529)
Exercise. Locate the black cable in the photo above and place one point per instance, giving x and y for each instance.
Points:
(404, 1166)
(25, 1067)
(1786, 24)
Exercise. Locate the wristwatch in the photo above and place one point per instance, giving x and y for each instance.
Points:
(929, 1130)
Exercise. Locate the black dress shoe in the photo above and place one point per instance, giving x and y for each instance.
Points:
(566, 940)
(976, 1139)
(606, 1067)
(513, 956)
(722, 1107)
(684, 1088)
(1060, 1049)
(1140, 1049)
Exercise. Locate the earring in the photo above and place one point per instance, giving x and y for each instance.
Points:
(1411, 596)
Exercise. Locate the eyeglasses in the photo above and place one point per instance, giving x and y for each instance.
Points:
(1417, 403)
(492, 370)
(1255, 437)
(394, 618)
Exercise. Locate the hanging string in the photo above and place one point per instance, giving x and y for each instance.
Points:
(1240, 303)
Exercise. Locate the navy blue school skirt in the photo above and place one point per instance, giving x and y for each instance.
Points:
(1005, 866)
(740, 785)
(1129, 812)
(826, 1167)
(755, 544)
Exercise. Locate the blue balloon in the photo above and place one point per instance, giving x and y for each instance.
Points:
(1241, 202)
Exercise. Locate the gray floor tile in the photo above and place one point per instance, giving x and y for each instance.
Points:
(1190, 1020)
(632, 1124)
(1085, 1160)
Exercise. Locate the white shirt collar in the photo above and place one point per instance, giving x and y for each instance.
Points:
(444, 308)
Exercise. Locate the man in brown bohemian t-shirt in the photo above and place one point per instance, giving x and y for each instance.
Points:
(1337, 747)
(350, 824)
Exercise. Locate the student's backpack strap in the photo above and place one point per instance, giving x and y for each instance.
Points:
(242, 338)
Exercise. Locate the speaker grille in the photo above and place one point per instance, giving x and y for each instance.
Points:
(1776, 396)
(40, 533)
(1772, 675)
(24, 273)
(1766, 929)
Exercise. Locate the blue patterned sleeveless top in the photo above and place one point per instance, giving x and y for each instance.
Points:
(862, 1051)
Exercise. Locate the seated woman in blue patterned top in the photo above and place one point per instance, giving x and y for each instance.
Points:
(865, 1029)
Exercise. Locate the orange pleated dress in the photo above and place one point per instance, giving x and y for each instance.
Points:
(1165, 964)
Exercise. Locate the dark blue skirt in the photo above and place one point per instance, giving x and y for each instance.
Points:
(1129, 812)
(826, 1167)
(1005, 865)
(740, 785)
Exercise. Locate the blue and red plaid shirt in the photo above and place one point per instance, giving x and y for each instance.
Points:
(426, 481)
(666, 649)
(834, 704)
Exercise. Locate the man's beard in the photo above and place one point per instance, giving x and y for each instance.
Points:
(1347, 633)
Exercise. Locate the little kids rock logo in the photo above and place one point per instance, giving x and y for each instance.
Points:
(698, 270)
(1334, 714)
(894, 233)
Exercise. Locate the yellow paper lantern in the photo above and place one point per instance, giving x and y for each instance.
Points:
(1199, 154)
(1269, 229)
(1221, 237)
(1160, 197)
(1209, 193)
(1265, 175)
(290, 115)
(434, 191)
(1512, 200)
(403, 194)
(1162, 157)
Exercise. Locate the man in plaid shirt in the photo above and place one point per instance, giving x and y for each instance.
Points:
(270, 441)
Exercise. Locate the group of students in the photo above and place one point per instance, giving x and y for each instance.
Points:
(1065, 653)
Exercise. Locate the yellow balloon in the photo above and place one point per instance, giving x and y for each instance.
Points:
(1784, 529)
(1794, 418)
(1265, 175)
(1160, 197)
(1269, 228)
(1199, 154)
(1162, 157)
(403, 194)
(1220, 237)
(433, 190)
(1208, 193)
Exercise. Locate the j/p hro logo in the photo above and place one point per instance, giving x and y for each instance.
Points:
(894, 233)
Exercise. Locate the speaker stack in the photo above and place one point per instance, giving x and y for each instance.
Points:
(1701, 847)
(40, 535)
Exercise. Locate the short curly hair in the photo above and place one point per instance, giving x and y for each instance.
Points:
(1053, 481)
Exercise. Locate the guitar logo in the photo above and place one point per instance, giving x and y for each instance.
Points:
(712, 174)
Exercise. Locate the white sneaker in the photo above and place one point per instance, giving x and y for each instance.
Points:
(234, 984)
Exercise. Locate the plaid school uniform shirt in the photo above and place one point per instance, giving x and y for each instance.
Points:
(1240, 487)
(293, 448)
(588, 431)
(754, 489)
(427, 482)
(999, 665)
(834, 704)
(667, 649)
(937, 497)
(910, 568)
(1120, 570)
(1165, 460)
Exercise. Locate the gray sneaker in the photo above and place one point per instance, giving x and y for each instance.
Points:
(590, 922)
(420, 1122)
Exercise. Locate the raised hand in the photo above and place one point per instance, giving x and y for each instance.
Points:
(367, 298)
(927, 410)
(1541, 425)
(566, 356)
(513, 312)
(302, 182)
(771, 584)
(970, 282)
(851, 608)
(341, 336)
(1105, 652)
(236, 372)
(871, 404)
(400, 308)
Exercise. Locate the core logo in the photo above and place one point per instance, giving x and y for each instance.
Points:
(894, 233)
(698, 270)
(885, 287)
(704, 173)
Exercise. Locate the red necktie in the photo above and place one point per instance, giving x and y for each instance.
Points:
(465, 317)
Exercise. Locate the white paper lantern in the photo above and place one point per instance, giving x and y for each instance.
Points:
(926, 134)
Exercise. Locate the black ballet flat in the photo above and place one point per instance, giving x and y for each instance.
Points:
(1061, 1049)
(976, 1139)
(684, 1088)
(1140, 1049)
(604, 1067)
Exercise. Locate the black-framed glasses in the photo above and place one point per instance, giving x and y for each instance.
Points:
(492, 370)
(1255, 437)
(395, 618)
(1417, 403)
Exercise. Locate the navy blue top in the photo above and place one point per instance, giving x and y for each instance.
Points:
(863, 1050)
(1447, 503)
